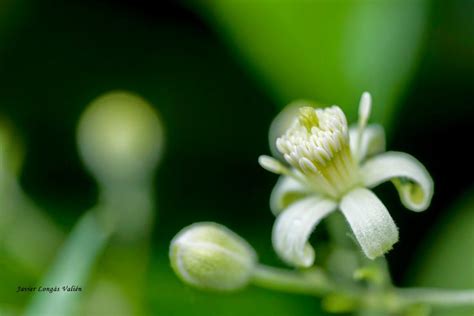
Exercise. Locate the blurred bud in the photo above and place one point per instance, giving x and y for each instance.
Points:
(371, 273)
(339, 303)
(11, 149)
(210, 256)
(120, 136)
(417, 310)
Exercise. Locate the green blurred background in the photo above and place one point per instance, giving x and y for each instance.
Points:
(218, 72)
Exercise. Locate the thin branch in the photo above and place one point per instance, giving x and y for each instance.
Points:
(313, 282)
(437, 297)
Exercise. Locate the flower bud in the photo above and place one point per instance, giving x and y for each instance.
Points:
(120, 137)
(210, 256)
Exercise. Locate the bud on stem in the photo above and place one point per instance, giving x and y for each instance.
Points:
(210, 256)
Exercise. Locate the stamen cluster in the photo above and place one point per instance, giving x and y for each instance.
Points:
(317, 144)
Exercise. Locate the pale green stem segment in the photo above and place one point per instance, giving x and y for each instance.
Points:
(316, 283)
(72, 268)
(127, 209)
(312, 282)
(437, 297)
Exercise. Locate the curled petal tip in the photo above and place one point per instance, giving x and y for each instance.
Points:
(294, 226)
(370, 222)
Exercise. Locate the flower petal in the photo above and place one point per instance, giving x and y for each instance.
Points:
(293, 227)
(413, 182)
(370, 221)
(286, 191)
(372, 142)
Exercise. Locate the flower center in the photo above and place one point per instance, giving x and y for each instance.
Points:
(317, 144)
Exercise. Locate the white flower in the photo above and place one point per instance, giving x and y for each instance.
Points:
(334, 167)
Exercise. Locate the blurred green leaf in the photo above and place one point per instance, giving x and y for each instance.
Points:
(447, 257)
(329, 51)
(71, 269)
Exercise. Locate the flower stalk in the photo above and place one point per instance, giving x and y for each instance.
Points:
(312, 282)
(317, 283)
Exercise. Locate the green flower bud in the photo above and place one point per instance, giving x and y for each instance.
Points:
(120, 136)
(209, 256)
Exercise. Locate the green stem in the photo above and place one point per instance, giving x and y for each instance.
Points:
(337, 228)
(311, 283)
(127, 210)
(316, 283)
(385, 272)
(436, 297)
(72, 268)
